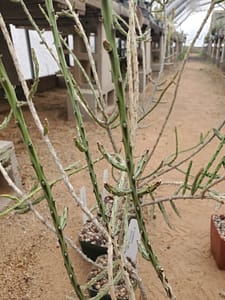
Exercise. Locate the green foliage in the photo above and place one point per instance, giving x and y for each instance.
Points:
(182, 54)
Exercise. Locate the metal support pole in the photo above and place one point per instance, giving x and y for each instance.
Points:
(222, 58)
(27, 36)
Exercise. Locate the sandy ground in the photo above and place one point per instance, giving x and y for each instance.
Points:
(31, 266)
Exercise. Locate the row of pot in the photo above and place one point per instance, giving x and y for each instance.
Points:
(94, 245)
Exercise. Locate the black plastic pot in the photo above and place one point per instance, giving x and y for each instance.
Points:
(120, 288)
(91, 250)
(93, 292)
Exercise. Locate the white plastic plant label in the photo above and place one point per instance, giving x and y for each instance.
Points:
(83, 199)
(133, 238)
(105, 178)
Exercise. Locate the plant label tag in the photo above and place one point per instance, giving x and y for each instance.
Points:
(105, 178)
(83, 199)
(133, 238)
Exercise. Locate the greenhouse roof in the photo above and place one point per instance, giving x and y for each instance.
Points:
(181, 9)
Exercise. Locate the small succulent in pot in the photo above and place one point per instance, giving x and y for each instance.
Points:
(217, 237)
(101, 280)
(92, 241)
(219, 221)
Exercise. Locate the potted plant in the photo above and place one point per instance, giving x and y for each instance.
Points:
(99, 279)
(218, 240)
(92, 242)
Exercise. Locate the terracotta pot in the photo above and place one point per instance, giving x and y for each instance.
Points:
(217, 238)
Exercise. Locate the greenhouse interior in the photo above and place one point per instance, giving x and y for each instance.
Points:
(112, 136)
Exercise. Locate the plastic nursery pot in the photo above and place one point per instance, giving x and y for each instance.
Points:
(92, 241)
(121, 292)
(217, 239)
(93, 292)
(91, 250)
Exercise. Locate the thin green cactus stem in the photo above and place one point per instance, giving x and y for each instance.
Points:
(215, 155)
(110, 46)
(18, 114)
(75, 104)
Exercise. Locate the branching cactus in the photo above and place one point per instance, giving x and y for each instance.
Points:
(132, 183)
